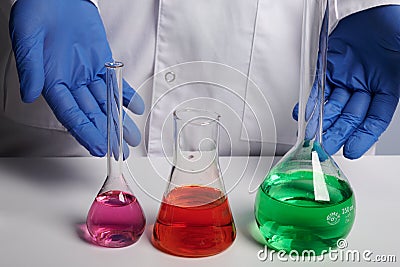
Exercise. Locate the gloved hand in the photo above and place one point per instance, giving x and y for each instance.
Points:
(363, 80)
(60, 48)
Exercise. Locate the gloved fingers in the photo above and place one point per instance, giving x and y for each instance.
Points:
(28, 51)
(334, 106)
(131, 132)
(310, 107)
(114, 134)
(313, 108)
(125, 150)
(88, 104)
(132, 100)
(99, 91)
(74, 119)
(312, 100)
(114, 142)
(295, 112)
(379, 115)
(352, 116)
(312, 124)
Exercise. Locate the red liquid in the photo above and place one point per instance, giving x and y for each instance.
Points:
(194, 221)
(115, 219)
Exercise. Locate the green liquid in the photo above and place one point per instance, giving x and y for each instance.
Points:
(290, 218)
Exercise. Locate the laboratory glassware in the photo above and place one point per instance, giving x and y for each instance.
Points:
(115, 218)
(305, 201)
(194, 218)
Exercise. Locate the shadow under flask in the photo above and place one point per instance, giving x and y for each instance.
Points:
(306, 202)
(194, 218)
(115, 218)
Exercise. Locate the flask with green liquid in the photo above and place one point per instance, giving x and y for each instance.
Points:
(306, 202)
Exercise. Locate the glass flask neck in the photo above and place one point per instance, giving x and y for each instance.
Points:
(308, 152)
(313, 71)
(195, 158)
(115, 155)
(114, 119)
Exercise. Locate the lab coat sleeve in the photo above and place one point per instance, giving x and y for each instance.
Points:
(342, 8)
(95, 2)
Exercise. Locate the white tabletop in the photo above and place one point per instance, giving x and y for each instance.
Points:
(44, 202)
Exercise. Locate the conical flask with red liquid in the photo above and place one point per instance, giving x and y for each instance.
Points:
(194, 219)
(115, 218)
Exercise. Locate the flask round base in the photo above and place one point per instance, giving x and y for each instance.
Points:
(116, 239)
(289, 217)
(300, 242)
(115, 219)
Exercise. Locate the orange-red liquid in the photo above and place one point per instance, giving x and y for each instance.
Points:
(194, 221)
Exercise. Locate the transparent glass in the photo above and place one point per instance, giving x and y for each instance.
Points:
(194, 219)
(115, 218)
(306, 202)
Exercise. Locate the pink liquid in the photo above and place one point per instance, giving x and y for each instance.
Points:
(115, 219)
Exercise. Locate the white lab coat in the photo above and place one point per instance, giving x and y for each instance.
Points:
(259, 39)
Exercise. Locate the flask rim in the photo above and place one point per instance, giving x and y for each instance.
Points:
(114, 64)
(195, 116)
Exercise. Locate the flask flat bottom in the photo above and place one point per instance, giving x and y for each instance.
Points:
(194, 221)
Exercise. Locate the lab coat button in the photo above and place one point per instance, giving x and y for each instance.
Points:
(169, 77)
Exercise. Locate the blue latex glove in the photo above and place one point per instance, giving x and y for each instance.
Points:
(363, 80)
(60, 48)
